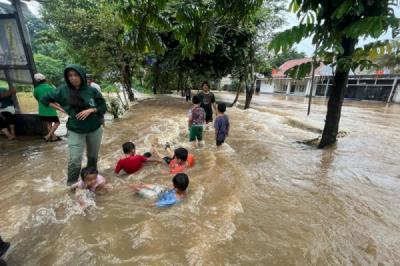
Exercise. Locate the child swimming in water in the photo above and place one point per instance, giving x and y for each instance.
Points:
(178, 160)
(132, 162)
(165, 198)
(90, 180)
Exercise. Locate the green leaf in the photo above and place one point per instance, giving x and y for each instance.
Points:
(369, 26)
(373, 54)
(342, 10)
(294, 6)
(286, 39)
(301, 71)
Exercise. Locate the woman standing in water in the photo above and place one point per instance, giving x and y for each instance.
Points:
(85, 107)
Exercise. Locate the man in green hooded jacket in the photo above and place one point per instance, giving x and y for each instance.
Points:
(85, 108)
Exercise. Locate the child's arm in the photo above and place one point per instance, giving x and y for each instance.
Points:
(118, 167)
(190, 118)
(214, 103)
(216, 126)
(154, 161)
(155, 151)
(74, 186)
(170, 152)
(103, 188)
(79, 199)
(190, 121)
(137, 187)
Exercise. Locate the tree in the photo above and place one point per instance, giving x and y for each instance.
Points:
(280, 58)
(208, 40)
(336, 27)
(391, 59)
(93, 37)
(50, 68)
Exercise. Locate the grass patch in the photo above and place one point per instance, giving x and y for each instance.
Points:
(3, 84)
(27, 102)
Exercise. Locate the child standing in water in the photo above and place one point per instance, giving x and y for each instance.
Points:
(168, 197)
(196, 121)
(91, 180)
(221, 125)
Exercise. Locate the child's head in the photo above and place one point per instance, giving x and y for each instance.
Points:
(128, 148)
(221, 108)
(196, 99)
(89, 175)
(181, 155)
(181, 182)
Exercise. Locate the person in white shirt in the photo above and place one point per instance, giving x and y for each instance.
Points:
(93, 84)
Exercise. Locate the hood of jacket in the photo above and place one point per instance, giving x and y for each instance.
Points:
(81, 72)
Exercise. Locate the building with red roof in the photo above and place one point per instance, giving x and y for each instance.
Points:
(378, 85)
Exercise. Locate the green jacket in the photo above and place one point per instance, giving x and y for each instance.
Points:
(90, 97)
(39, 92)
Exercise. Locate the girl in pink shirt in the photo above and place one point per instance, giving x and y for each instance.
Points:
(90, 179)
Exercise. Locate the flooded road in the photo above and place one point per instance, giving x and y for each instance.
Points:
(264, 199)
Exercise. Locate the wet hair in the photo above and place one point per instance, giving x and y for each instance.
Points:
(181, 153)
(127, 147)
(205, 83)
(75, 100)
(181, 181)
(221, 107)
(147, 154)
(88, 171)
(196, 99)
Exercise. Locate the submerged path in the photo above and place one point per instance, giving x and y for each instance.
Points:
(263, 199)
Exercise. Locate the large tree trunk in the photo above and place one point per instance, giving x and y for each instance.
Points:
(179, 85)
(249, 95)
(124, 104)
(238, 90)
(127, 81)
(125, 97)
(157, 78)
(250, 88)
(336, 98)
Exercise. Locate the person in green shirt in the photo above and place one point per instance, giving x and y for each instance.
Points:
(85, 107)
(47, 114)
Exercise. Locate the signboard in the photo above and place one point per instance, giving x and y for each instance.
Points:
(12, 55)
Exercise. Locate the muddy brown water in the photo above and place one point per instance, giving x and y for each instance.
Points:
(263, 199)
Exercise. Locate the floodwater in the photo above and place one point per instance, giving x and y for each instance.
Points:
(264, 199)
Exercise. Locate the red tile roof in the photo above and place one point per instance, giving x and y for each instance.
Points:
(280, 73)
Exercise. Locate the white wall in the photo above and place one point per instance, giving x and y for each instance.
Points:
(226, 81)
(396, 96)
(266, 86)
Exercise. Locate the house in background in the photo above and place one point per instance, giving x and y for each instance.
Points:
(379, 85)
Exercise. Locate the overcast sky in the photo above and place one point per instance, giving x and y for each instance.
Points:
(305, 46)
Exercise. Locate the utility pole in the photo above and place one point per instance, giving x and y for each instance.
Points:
(312, 79)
